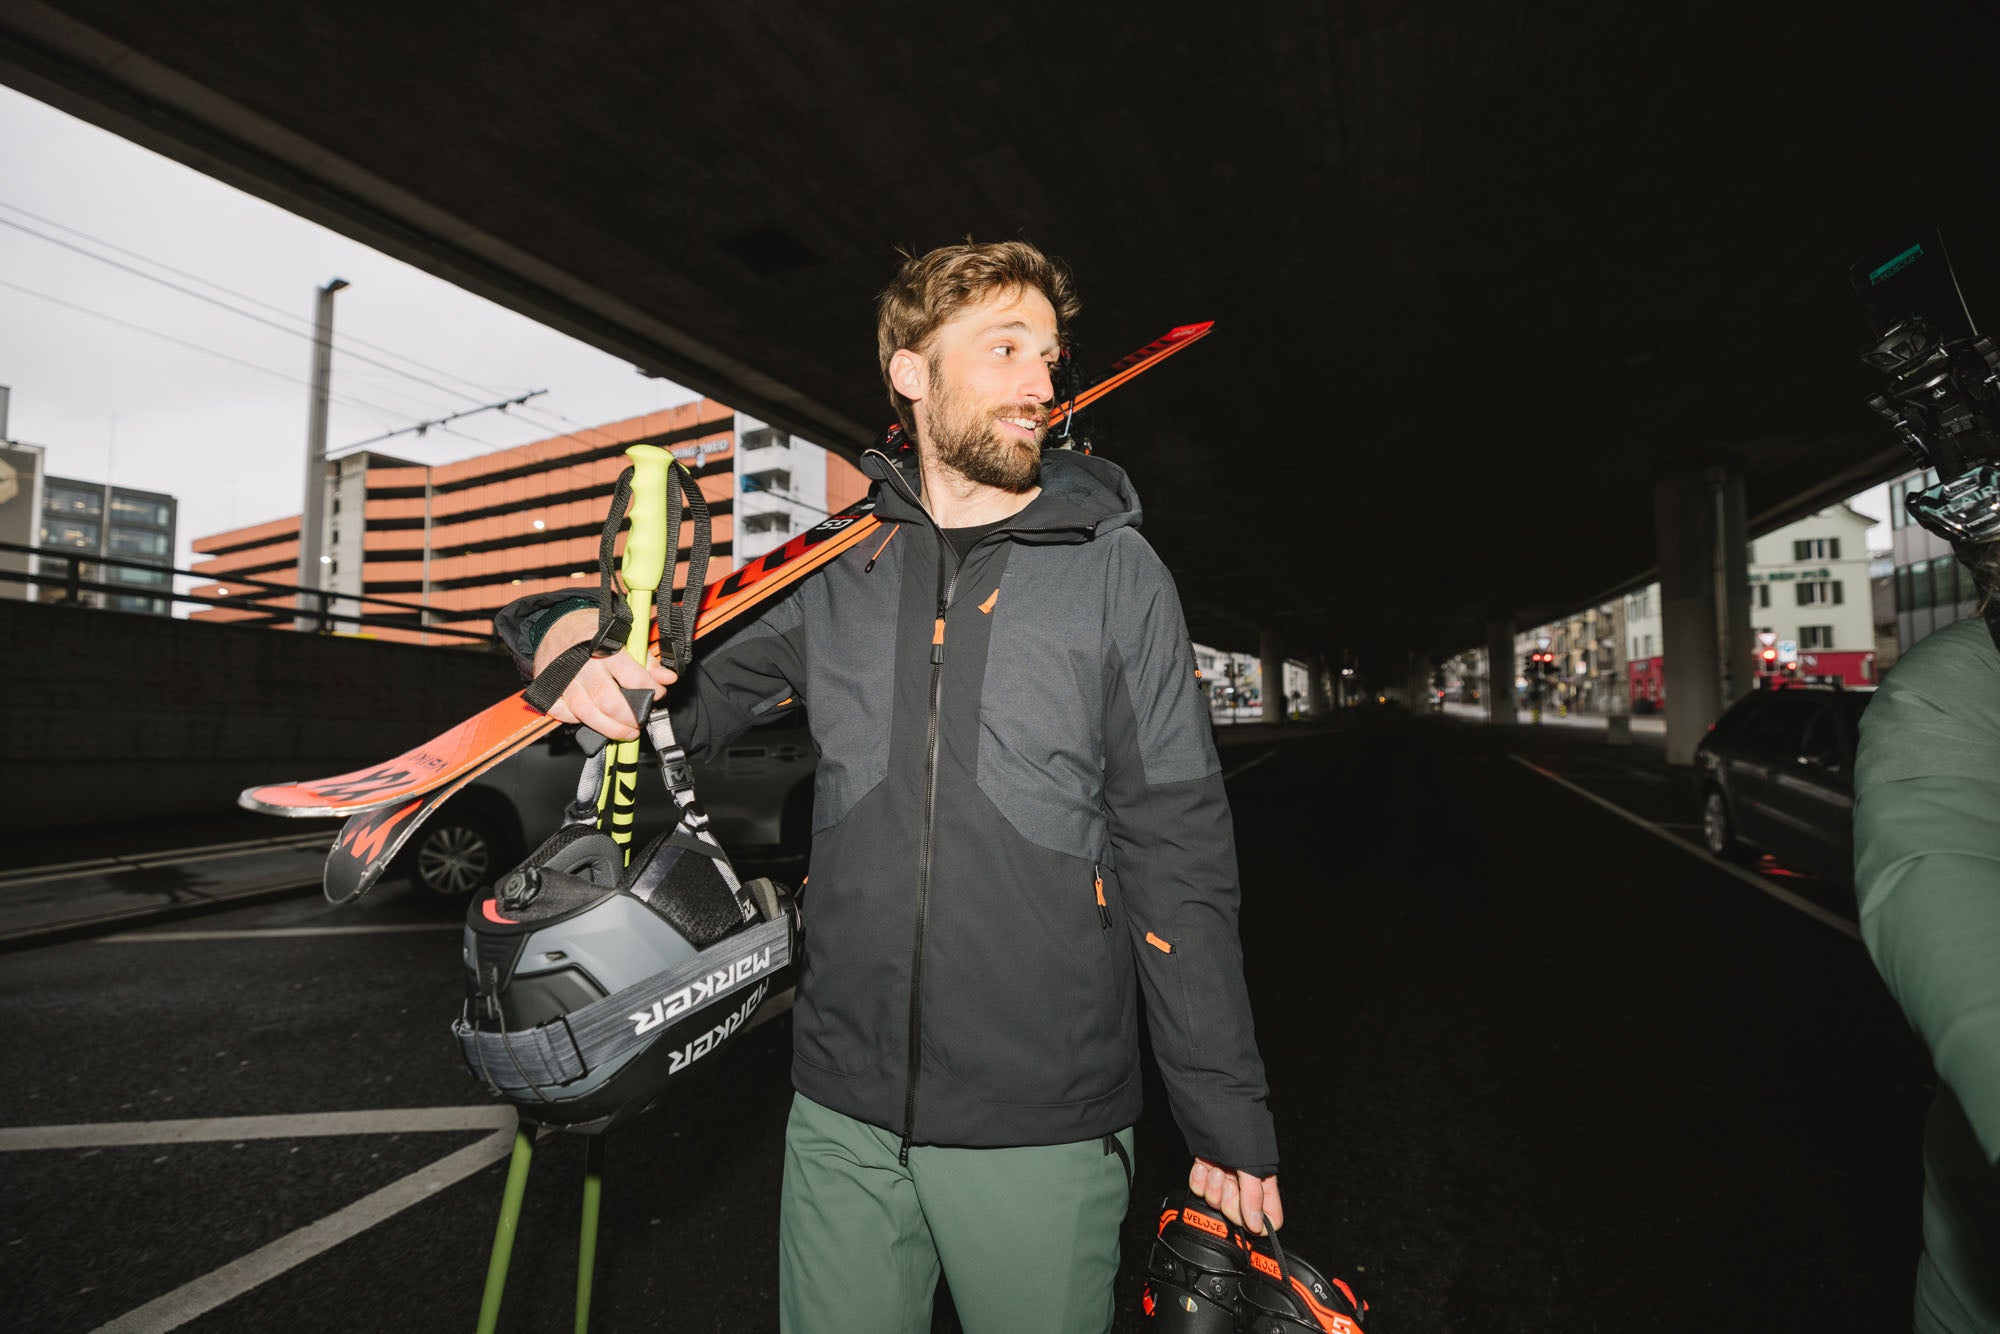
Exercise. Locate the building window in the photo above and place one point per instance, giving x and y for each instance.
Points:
(1920, 584)
(1818, 592)
(1815, 636)
(137, 542)
(138, 575)
(764, 437)
(72, 500)
(776, 479)
(1816, 548)
(1763, 594)
(70, 533)
(336, 504)
(779, 522)
(129, 509)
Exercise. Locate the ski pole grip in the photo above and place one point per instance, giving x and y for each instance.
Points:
(645, 562)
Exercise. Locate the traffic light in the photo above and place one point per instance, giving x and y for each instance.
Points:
(1770, 659)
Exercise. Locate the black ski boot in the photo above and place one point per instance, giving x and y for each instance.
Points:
(1282, 1294)
(1196, 1267)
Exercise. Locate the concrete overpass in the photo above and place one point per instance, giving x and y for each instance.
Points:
(1483, 276)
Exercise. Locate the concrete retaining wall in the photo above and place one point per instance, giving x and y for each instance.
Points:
(111, 716)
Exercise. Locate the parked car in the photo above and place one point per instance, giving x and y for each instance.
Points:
(758, 794)
(1777, 776)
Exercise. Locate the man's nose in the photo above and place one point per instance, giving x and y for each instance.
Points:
(1036, 386)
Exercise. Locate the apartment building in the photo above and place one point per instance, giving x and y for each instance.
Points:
(453, 543)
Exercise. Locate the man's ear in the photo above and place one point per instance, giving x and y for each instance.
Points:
(910, 374)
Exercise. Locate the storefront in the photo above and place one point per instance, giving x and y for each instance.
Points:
(1646, 686)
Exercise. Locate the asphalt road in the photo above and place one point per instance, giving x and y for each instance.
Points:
(1536, 1065)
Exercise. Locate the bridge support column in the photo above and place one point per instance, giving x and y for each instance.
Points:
(1271, 649)
(1699, 536)
(1500, 669)
(1316, 687)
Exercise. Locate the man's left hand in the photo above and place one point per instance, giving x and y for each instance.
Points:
(1245, 1200)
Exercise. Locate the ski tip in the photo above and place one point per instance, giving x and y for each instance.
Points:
(1173, 338)
(265, 800)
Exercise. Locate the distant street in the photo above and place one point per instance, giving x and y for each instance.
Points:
(1538, 1065)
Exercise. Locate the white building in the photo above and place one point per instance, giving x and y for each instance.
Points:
(1809, 591)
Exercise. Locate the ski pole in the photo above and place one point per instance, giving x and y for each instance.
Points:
(645, 562)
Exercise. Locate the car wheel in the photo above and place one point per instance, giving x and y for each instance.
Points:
(1718, 831)
(459, 852)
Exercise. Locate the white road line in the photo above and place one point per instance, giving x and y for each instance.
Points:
(1758, 882)
(274, 932)
(176, 1308)
(290, 1125)
(1248, 764)
(145, 861)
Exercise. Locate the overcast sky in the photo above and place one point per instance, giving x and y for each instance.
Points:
(224, 438)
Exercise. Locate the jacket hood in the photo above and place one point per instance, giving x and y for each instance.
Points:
(1082, 495)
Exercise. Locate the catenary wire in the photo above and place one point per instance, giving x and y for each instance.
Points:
(342, 343)
(547, 416)
(393, 414)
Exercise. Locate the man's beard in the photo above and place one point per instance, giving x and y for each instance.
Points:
(971, 441)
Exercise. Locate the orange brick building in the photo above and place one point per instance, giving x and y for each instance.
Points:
(461, 540)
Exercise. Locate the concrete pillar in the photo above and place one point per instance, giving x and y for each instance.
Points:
(1316, 687)
(1698, 533)
(1271, 649)
(1500, 666)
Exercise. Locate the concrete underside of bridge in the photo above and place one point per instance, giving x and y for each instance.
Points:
(1480, 272)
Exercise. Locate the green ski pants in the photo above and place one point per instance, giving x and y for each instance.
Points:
(1027, 1238)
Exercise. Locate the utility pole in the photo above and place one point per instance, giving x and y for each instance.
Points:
(312, 518)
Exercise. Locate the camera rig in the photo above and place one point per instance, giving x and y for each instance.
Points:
(1943, 397)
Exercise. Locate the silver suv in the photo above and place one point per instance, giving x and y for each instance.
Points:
(758, 792)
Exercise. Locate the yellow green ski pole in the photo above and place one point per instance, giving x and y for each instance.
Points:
(648, 556)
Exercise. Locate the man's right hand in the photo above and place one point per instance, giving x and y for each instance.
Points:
(594, 698)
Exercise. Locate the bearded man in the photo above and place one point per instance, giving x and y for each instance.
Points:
(1019, 829)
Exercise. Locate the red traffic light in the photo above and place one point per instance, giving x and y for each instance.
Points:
(1770, 655)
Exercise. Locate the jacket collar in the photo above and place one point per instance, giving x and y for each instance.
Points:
(1082, 495)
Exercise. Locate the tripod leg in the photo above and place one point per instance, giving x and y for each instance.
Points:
(586, 1255)
(503, 1236)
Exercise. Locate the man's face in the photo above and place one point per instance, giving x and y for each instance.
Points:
(985, 407)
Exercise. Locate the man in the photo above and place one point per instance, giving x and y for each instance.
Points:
(1927, 879)
(1019, 824)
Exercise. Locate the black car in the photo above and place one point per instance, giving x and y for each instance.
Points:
(1777, 776)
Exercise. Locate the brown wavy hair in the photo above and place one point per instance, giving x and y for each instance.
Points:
(929, 289)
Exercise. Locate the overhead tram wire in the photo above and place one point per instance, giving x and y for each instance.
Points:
(224, 305)
(393, 414)
(546, 416)
(340, 341)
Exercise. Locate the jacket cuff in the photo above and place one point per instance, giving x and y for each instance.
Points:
(520, 625)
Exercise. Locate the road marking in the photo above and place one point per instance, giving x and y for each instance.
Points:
(148, 861)
(274, 932)
(1248, 764)
(290, 1125)
(1782, 895)
(174, 1309)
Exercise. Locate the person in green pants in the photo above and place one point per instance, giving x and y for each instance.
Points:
(1020, 836)
(1927, 877)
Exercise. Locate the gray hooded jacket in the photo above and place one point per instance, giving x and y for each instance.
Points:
(1019, 826)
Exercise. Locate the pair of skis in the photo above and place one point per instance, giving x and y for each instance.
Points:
(387, 803)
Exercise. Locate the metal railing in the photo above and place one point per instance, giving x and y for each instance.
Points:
(322, 610)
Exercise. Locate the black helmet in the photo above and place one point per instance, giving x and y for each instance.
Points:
(591, 985)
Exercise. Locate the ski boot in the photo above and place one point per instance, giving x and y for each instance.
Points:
(1195, 1270)
(1281, 1293)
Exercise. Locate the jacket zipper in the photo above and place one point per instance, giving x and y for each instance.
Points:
(930, 809)
(1103, 912)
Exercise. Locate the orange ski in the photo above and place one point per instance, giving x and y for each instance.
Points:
(444, 764)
